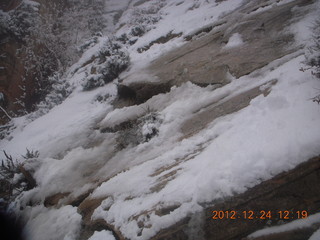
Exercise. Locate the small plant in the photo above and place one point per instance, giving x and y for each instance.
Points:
(57, 91)
(93, 82)
(149, 125)
(112, 60)
(313, 55)
(5, 130)
(31, 154)
(141, 21)
(140, 130)
(316, 99)
(8, 167)
(89, 43)
(138, 31)
(14, 177)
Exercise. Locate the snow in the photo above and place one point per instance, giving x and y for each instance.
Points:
(234, 41)
(300, 223)
(273, 144)
(179, 17)
(59, 131)
(52, 224)
(231, 154)
(303, 29)
(315, 235)
(34, 4)
(102, 235)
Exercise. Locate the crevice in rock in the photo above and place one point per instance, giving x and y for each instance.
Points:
(160, 40)
(204, 30)
(145, 91)
(175, 232)
(54, 199)
(89, 226)
(98, 225)
(139, 92)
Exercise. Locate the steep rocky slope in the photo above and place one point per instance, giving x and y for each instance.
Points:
(212, 114)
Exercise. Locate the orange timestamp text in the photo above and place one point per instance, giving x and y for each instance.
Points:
(262, 215)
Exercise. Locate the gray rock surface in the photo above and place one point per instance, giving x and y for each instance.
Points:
(204, 60)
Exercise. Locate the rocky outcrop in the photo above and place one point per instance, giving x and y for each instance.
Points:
(208, 61)
(295, 191)
(139, 92)
(200, 119)
(206, 58)
(89, 226)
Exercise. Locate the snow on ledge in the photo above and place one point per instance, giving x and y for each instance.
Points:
(102, 235)
(234, 41)
(300, 223)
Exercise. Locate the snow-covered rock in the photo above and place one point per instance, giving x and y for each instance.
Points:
(217, 106)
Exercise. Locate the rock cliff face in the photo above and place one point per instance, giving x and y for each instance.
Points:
(37, 41)
(11, 75)
(7, 5)
(209, 60)
(22, 77)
